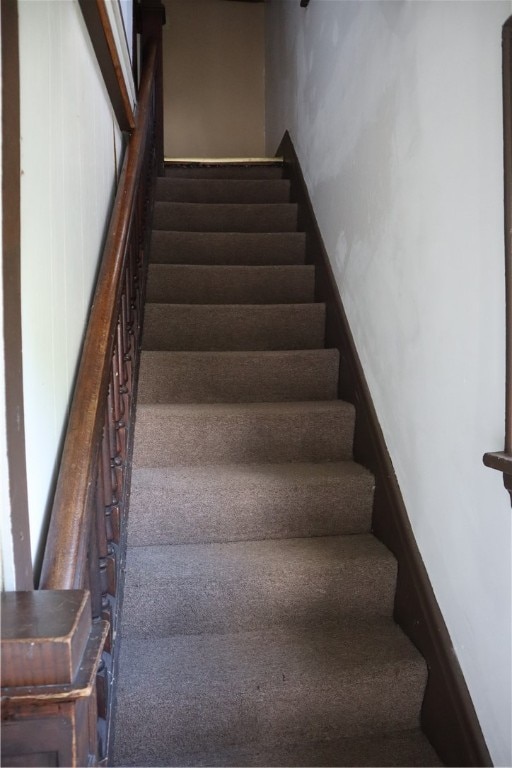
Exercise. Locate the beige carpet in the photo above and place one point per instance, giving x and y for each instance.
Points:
(257, 623)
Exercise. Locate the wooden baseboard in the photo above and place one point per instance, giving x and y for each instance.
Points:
(448, 716)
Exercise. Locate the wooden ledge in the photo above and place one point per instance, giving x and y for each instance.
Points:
(502, 461)
(81, 687)
(223, 160)
(50, 647)
(44, 636)
(499, 460)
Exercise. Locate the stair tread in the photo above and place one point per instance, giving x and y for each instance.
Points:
(228, 587)
(241, 376)
(218, 433)
(233, 502)
(270, 686)
(211, 327)
(398, 748)
(227, 247)
(226, 217)
(230, 284)
(222, 190)
(236, 660)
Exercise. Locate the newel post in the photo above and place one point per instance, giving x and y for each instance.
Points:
(151, 21)
(50, 652)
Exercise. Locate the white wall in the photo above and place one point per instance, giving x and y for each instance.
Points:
(70, 149)
(395, 112)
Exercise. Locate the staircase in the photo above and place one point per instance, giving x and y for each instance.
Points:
(257, 622)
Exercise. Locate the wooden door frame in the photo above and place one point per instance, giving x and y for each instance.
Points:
(11, 271)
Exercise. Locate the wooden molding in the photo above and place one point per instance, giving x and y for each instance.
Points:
(11, 269)
(503, 461)
(202, 161)
(448, 716)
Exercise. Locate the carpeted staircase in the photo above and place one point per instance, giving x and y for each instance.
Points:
(257, 622)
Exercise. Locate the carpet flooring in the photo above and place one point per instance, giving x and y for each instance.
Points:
(257, 623)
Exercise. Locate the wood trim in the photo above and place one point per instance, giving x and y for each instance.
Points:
(448, 716)
(102, 38)
(507, 180)
(505, 458)
(11, 270)
(223, 161)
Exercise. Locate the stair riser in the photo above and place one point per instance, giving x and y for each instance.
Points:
(234, 248)
(229, 171)
(230, 285)
(222, 191)
(242, 327)
(216, 377)
(210, 217)
(165, 437)
(184, 513)
(199, 589)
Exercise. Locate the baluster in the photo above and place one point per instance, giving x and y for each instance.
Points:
(116, 461)
(128, 356)
(112, 517)
(102, 689)
(93, 571)
(102, 541)
(124, 389)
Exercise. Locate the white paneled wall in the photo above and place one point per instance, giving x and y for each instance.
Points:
(395, 111)
(70, 150)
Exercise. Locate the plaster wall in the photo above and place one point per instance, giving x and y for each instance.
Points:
(214, 103)
(70, 153)
(395, 111)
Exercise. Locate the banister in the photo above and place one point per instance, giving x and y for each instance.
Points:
(65, 555)
(59, 642)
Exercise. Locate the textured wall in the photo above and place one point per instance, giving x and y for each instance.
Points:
(214, 79)
(69, 151)
(395, 111)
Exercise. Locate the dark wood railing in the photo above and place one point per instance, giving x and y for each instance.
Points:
(502, 460)
(95, 450)
(58, 642)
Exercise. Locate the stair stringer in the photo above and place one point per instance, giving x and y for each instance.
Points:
(448, 716)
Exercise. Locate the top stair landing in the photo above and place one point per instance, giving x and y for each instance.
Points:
(272, 169)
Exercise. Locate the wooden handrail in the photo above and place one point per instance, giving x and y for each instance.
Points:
(65, 558)
(100, 31)
(60, 640)
(502, 460)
